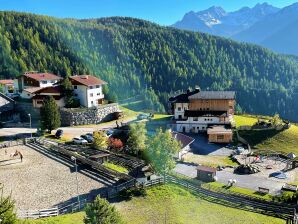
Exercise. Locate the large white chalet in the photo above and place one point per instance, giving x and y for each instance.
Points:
(204, 111)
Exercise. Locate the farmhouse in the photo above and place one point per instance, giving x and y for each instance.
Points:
(197, 111)
(30, 82)
(41, 94)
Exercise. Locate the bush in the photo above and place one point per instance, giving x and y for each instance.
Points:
(128, 194)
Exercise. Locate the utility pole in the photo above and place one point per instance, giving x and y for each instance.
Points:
(30, 124)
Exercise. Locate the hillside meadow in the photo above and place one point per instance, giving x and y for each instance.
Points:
(171, 204)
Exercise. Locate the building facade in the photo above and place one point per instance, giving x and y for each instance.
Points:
(88, 89)
(197, 111)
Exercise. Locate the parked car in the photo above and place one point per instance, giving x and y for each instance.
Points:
(90, 134)
(79, 140)
(88, 138)
(110, 132)
(143, 116)
(59, 133)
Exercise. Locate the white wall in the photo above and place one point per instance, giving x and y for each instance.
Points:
(183, 107)
(89, 97)
(48, 83)
(26, 95)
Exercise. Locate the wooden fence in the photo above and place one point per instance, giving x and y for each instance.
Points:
(7, 144)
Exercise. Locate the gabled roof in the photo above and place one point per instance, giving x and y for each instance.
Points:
(32, 89)
(42, 76)
(86, 80)
(206, 169)
(6, 82)
(6, 98)
(50, 89)
(184, 97)
(213, 95)
(204, 113)
(183, 139)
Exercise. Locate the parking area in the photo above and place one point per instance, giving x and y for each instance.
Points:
(201, 146)
(40, 182)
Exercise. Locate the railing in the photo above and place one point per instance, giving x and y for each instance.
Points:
(7, 144)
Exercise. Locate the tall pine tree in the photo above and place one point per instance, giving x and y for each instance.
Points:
(50, 115)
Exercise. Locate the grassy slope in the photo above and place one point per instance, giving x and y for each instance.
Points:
(285, 141)
(175, 204)
(180, 206)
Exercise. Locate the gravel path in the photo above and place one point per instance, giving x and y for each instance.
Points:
(40, 182)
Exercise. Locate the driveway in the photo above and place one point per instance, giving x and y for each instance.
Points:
(201, 146)
(12, 132)
(244, 181)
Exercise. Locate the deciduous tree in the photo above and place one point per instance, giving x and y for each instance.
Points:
(137, 137)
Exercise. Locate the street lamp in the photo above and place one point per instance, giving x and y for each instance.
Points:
(76, 165)
(30, 124)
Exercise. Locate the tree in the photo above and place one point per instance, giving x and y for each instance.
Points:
(100, 140)
(161, 150)
(137, 137)
(7, 215)
(101, 212)
(70, 100)
(50, 115)
(115, 143)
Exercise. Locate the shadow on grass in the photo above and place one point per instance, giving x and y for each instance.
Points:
(255, 137)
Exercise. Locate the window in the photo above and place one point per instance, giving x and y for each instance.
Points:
(75, 87)
(180, 117)
(207, 108)
(53, 81)
(76, 94)
(195, 119)
(91, 94)
(39, 102)
(92, 102)
(90, 87)
(44, 82)
(97, 86)
(220, 137)
(179, 108)
(98, 94)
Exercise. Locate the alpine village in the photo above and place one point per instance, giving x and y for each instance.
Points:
(121, 120)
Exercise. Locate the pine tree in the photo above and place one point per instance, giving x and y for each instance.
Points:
(7, 215)
(101, 212)
(50, 115)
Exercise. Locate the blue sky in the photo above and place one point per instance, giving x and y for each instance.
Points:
(164, 12)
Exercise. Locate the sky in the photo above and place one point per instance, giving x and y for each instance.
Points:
(164, 12)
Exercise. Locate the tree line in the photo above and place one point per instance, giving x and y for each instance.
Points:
(137, 57)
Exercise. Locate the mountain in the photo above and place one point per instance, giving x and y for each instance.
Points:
(217, 21)
(139, 58)
(278, 32)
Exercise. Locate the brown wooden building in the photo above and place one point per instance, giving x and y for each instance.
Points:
(206, 173)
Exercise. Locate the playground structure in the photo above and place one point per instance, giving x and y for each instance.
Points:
(269, 163)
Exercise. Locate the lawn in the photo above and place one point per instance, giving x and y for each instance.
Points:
(115, 167)
(284, 141)
(245, 120)
(75, 218)
(173, 204)
(207, 160)
(239, 190)
(170, 204)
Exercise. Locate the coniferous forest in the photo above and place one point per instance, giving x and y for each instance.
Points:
(139, 58)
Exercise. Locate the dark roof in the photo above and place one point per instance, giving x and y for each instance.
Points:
(6, 82)
(206, 169)
(6, 98)
(86, 80)
(202, 113)
(212, 95)
(183, 139)
(183, 98)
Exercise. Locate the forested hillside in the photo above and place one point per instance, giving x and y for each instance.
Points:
(140, 58)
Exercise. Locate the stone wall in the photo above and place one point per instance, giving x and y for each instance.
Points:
(83, 116)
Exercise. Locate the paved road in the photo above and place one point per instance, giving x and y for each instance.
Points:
(243, 181)
(201, 146)
(11, 132)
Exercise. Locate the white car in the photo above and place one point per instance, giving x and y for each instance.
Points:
(79, 140)
(109, 132)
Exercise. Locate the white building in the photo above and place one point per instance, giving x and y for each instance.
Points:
(198, 111)
(88, 89)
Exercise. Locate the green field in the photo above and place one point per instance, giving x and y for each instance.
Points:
(171, 204)
(115, 167)
(284, 141)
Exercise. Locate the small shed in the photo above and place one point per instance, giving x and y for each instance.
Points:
(220, 134)
(206, 173)
(100, 157)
